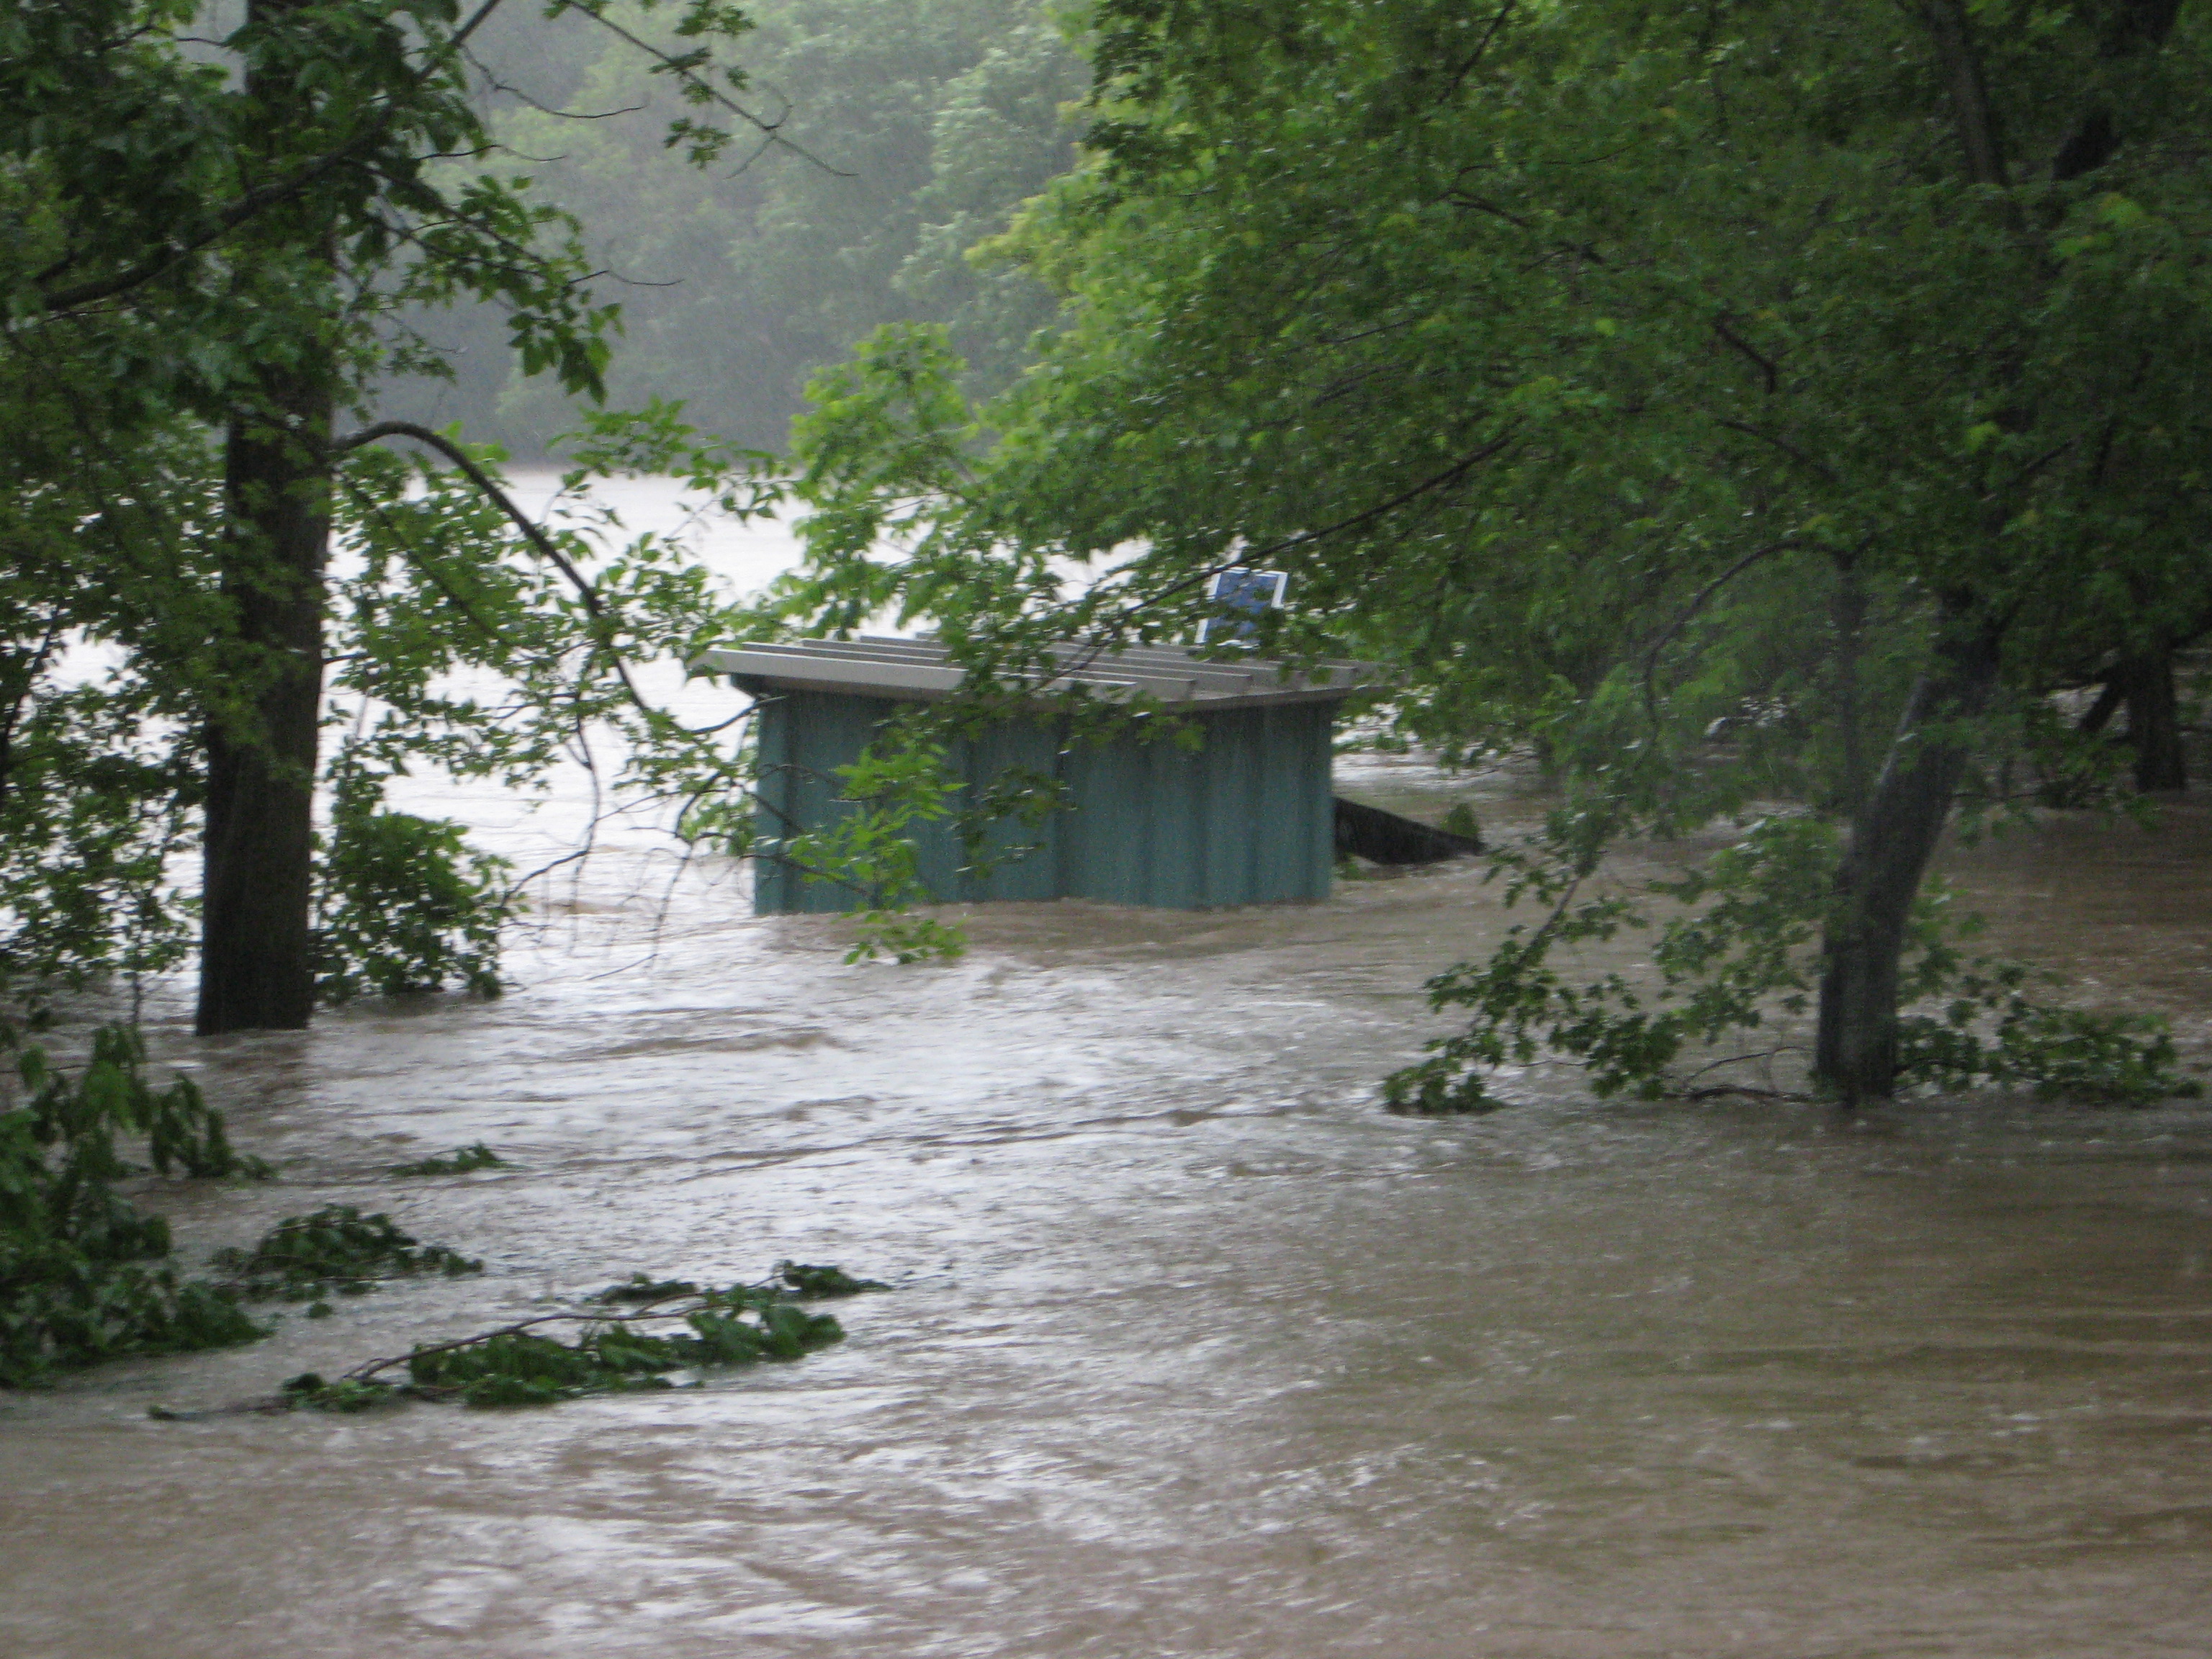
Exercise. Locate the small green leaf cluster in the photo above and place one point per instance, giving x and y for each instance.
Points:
(643, 1287)
(798, 1279)
(462, 1160)
(899, 782)
(2074, 1054)
(809, 1280)
(1461, 821)
(346, 1395)
(84, 1273)
(338, 1248)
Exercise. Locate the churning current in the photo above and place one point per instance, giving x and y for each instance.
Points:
(1193, 1349)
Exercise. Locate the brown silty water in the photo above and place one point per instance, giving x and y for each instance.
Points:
(1193, 1349)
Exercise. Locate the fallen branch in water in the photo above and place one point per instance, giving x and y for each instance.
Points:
(512, 1365)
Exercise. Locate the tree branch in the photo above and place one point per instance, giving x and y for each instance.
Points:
(1451, 475)
(1970, 101)
(656, 717)
(257, 201)
(483, 481)
(1767, 365)
(1826, 472)
(1690, 612)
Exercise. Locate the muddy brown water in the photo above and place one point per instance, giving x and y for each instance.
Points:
(1194, 1351)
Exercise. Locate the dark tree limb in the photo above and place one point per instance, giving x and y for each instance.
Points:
(466, 465)
(1970, 99)
(2130, 27)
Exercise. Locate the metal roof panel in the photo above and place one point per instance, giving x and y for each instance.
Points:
(922, 669)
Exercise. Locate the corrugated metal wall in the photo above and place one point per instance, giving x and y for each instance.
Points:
(1245, 819)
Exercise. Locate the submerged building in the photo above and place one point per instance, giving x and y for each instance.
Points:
(1246, 816)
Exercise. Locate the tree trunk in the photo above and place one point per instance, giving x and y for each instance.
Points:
(1855, 1052)
(257, 966)
(2144, 683)
(2153, 721)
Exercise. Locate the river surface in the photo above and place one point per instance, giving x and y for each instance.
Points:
(1193, 1349)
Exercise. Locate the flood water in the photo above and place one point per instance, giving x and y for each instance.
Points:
(1193, 1349)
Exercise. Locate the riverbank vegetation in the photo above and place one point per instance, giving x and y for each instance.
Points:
(86, 1275)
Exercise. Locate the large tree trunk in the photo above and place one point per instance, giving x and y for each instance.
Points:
(257, 967)
(1855, 1052)
(256, 947)
(2153, 721)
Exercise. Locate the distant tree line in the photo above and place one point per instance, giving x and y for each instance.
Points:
(910, 130)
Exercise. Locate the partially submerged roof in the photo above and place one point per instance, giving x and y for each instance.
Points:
(916, 669)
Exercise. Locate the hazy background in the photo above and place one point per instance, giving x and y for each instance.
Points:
(907, 131)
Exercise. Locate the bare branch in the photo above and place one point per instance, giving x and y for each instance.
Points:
(1827, 473)
(770, 130)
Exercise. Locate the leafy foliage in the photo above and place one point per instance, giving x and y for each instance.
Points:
(404, 905)
(1741, 949)
(1720, 403)
(85, 1275)
(1988, 1032)
(554, 619)
(897, 783)
(462, 1160)
(336, 1247)
(200, 229)
(519, 1365)
(804, 1278)
(1460, 820)
(84, 1272)
(105, 616)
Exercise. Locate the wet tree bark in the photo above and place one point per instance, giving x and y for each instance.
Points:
(256, 947)
(257, 967)
(1893, 837)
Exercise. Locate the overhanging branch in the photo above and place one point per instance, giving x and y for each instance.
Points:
(466, 464)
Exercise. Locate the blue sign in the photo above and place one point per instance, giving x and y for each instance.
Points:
(1240, 594)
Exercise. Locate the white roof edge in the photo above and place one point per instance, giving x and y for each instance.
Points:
(1173, 677)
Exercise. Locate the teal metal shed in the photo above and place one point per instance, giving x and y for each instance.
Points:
(1246, 818)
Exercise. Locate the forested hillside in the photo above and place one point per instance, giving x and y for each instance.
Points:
(906, 132)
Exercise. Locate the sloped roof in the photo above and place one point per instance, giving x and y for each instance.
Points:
(918, 670)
